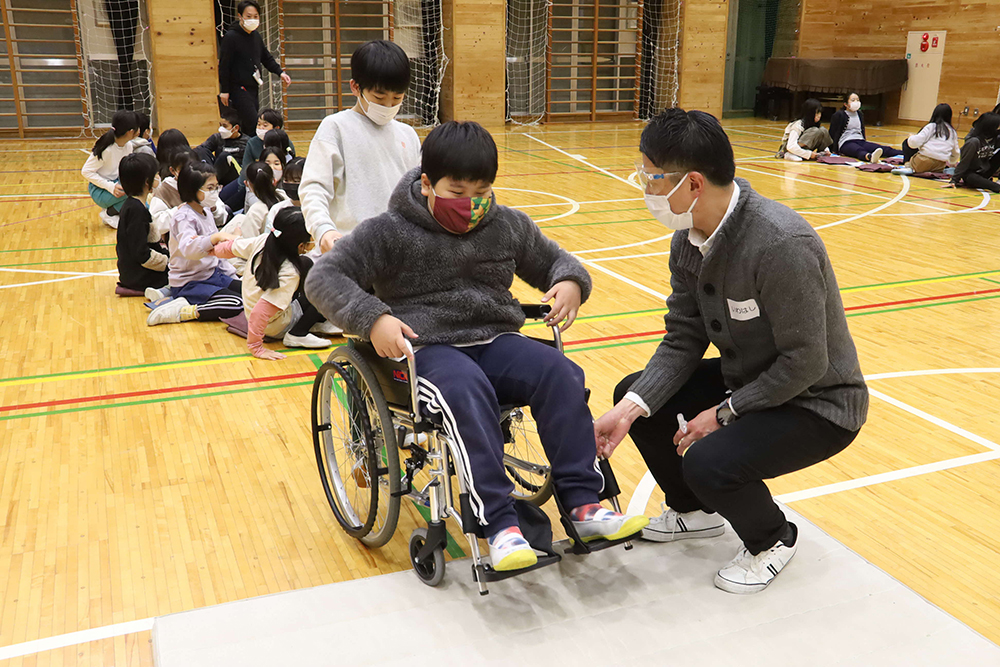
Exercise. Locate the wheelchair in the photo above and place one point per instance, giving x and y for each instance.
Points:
(366, 413)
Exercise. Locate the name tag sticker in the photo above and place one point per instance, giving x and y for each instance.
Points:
(743, 310)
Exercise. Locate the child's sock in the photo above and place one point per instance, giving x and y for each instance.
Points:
(189, 313)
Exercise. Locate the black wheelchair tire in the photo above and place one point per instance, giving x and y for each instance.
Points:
(430, 572)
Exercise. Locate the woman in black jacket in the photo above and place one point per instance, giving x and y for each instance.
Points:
(977, 165)
(847, 129)
(241, 56)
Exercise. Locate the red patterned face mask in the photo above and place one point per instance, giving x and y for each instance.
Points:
(460, 215)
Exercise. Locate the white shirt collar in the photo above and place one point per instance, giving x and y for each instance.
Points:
(698, 239)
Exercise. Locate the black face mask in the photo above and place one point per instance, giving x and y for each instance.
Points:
(292, 190)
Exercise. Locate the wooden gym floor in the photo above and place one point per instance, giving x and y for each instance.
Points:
(151, 471)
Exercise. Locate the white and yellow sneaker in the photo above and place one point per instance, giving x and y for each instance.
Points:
(510, 551)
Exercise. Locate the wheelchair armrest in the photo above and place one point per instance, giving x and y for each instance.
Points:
(536, 311)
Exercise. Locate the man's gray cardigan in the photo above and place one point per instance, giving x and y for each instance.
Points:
(766, 296)
(451, 289)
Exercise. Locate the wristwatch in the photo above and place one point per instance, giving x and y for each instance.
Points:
(724, 414)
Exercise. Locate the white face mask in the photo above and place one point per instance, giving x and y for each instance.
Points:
(659, 207)
(261, 133)
(854, 106)
(251, 24)
(379, 114)
(225, 132)
(211, 199)
(277, 174)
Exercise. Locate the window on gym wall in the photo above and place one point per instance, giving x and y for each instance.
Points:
(317, 39)
(68, 66)
(591, 59)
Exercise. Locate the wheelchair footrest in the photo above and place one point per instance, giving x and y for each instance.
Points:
(488, 574)
(599, 544)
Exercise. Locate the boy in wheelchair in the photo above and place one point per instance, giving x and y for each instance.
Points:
(437, 268)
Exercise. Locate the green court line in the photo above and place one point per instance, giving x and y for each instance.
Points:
(62, 261)
(925, 305)
(451, 547)
(976, 274)
(990, 280)
(317, 362)
(168, 399)
(589, 224)
(65, 247)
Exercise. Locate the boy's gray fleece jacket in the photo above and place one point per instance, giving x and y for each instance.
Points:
(450, 289)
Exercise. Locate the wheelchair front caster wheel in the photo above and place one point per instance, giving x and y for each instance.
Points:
(431, 571)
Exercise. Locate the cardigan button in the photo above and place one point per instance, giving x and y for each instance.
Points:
(716, 325)
(709, 289)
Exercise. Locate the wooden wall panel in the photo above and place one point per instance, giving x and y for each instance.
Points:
(878, 29)
(185, 66)
(703, 55)
(474, 86)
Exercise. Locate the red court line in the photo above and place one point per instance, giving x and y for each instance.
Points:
(603, 339)
(154, 392)
(924, 298)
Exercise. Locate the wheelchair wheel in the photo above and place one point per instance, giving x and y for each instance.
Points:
(356, 449)
(524, 459)
(430, 572)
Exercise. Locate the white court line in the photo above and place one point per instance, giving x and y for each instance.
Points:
(74, 638)
(937, 371)
(58, 273)
(622, 247)
(55, 280)
(628, 281)
(574, 205)
(978, 208)
(902, 193)
(581, 203)
(583, 160)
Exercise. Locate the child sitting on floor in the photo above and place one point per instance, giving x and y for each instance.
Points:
(142, 261)
(273, 300)
(166, 200)
(978, 162)
(805, 138)
(396, 276)
(225, 147)
(291, 179)
(933, 148)
(101, 168)
(203, 286)
(143, 143)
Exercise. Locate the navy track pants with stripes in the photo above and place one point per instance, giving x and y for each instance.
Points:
(467, 386)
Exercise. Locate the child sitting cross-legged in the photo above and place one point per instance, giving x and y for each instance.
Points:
(437, 268)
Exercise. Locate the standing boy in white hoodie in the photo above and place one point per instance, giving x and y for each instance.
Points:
(359, 155)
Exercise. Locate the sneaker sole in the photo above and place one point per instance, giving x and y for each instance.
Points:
(660, 536)
(632, 526)
(737, 588)
(518, 560)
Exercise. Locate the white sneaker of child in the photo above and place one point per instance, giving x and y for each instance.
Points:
(108, 219)
(747, 574)
(510, 551)
(598, 522)
(308, 341)
(172, 312)
(876, 156)
(326, 328)
(672, 525)
(153, 294)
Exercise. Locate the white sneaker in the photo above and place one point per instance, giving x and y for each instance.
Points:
(672, 525)
(310, 341)
(747, 574)
(153, 294)
(110, 220)
(171, 312)
(326, 328)
(876, 156)
(608, 525)
(510, 551)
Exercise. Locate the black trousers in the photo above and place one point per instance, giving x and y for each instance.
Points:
(123, 16)
(244, 101)
(724, 471)
(310, 316)
(907, 151)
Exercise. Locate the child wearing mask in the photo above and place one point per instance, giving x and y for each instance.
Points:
(203, 286)
(395, 278)
(342, 148)
(978, 162)
(847, 129)
(166, 198)
(143, 143)
(274, 302)
(101, 167)
(278, 138)
(268, 119)
(142, 261)
(226, 147)
(292, 178)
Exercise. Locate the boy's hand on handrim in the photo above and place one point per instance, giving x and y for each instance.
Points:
(566, 297)
(388, 336)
